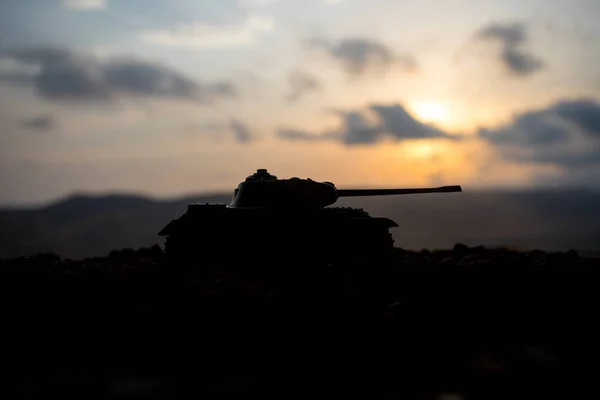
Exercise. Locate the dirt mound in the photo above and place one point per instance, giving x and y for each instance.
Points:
(467, 322)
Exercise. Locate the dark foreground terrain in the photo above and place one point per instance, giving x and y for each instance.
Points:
(467, 323)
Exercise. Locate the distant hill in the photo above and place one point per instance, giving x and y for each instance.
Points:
(88, 226)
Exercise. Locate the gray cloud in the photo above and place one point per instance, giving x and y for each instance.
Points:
(585, 113)
(67, 76)
(370, 126)
(399, 123)
(566, 133)
(300, 135)
(241, 132)
(360, 55)
(39, 123)
(300, 84)
(84, 5)
(533, 128)
(512, 37)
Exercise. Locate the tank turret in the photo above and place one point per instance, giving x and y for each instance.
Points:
(265, 190)
(289, 216)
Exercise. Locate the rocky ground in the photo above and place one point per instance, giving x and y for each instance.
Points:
(466, 323)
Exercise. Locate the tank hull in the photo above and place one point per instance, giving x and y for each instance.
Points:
(249, 235)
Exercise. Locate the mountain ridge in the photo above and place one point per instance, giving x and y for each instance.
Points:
(88, 224)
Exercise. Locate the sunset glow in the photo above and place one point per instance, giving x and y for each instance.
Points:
(430, 111)
(192, 96)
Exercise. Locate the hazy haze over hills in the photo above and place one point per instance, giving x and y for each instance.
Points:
(552, 220)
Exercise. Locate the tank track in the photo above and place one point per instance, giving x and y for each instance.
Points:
(281, 248)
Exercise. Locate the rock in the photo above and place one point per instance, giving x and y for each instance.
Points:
(460, 250)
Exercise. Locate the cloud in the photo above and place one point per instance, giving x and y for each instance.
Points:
(360, 55)
(44, 122)
(208, 35)
(84, 5)
(265, 3)
(300, 84)
(566, 133)
(238, 129)
(257, 3)
(585, 113)
(63, 75)
(241, 131)
(300, 135)
(376, 123)
(512, 37)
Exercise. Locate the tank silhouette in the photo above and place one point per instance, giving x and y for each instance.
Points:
(272, 218)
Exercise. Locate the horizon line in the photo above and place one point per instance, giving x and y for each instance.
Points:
(226, 193)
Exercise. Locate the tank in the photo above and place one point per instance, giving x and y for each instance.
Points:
(283, 219)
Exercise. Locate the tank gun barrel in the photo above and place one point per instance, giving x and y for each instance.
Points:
(387, 192)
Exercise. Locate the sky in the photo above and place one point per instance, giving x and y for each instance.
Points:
(170, 97)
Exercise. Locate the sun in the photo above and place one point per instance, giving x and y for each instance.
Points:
(430, 111)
